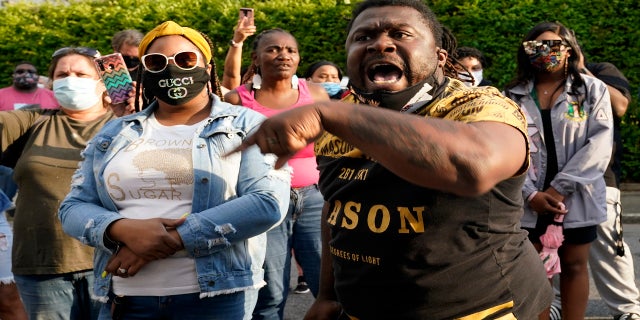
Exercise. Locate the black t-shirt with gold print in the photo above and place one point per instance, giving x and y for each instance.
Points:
(401, 251)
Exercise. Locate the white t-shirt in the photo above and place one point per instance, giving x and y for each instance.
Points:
(153, 178)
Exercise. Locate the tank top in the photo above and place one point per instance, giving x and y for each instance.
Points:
(303, 163)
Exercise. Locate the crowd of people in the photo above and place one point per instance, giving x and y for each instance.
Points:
(394, 193)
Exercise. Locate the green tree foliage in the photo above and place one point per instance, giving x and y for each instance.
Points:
(34, 31)
(606, 29)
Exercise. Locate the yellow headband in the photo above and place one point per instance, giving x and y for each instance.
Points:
(169, 28)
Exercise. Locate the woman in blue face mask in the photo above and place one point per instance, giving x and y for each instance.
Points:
(570, 127)
(328, 75)
(53, 271)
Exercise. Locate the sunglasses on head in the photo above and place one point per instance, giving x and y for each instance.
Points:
(157, 62)
(23, 71)
(85, 51)
(530, 47)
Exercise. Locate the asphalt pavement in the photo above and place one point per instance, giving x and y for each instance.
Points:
(297, 304)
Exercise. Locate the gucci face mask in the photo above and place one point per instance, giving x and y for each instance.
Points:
(175, 85)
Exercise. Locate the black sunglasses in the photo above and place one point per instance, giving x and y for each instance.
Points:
(85, 51)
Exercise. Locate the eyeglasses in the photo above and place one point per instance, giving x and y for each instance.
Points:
(533, 46)
(23, 71)
(85, 51)
(156, 62)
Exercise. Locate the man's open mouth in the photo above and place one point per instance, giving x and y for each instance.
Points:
(384, 73)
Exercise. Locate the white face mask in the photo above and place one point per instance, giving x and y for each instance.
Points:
(477, 76)
(75, 93)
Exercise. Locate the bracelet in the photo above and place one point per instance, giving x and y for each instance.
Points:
(110, 243)
(530, 197)
(235, 44)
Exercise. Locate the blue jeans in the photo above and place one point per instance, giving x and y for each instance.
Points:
(299, 231)
(64, 296)
(6, 240)
(7, 184)
(231, 306)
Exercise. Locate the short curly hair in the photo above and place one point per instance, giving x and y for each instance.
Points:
(464, 52)
(427, 14)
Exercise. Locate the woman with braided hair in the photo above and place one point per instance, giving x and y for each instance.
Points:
(178, 227)
(275, 88)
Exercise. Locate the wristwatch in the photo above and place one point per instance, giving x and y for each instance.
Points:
(235, 44)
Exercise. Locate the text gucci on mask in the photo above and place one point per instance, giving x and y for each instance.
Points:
(175, 82)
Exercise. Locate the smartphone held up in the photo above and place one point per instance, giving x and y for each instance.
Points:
(247, 12)
(116, 77)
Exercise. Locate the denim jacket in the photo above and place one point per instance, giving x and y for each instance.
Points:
(583, 134)
(236, 199)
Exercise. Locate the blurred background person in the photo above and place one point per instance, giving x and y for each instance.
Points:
(44, 82)
(25, 90)
(328, 75)
(126, 42)
(474, 61)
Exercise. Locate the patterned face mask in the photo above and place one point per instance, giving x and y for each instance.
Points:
(25, 79)
(544, 55)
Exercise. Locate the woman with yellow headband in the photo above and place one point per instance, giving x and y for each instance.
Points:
(178, 227)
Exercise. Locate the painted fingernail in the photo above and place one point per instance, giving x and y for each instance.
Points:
(184, 215)
(104, 274)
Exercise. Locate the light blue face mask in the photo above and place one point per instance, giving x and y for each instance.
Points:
(76, 93)
(331, 87)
